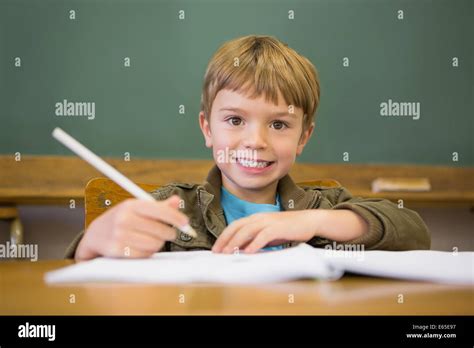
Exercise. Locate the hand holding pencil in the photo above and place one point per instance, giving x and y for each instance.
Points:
(134, 228)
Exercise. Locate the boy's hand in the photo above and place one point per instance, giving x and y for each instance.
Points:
(134, 228)
(259, 230)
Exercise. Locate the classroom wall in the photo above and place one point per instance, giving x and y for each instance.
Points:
(367, 52)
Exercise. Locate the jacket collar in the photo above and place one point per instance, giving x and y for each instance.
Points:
(292, 197)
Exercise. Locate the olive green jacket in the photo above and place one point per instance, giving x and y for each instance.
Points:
(390, 227)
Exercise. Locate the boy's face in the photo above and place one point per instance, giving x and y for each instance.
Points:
(241, 128)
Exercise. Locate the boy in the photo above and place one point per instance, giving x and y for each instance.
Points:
(258, 104)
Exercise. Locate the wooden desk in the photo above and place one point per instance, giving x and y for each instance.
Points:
(23, 292)
(58, 179)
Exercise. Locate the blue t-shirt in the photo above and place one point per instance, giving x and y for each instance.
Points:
(236, 208)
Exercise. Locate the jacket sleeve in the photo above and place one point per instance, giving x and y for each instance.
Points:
(390, 227)
(71, 249)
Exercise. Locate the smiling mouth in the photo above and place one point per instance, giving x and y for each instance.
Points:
(253, 163)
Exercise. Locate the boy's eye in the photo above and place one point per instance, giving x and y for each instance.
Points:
(278, 125)
(235, 121)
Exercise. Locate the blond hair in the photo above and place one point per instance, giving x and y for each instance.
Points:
(256, 65)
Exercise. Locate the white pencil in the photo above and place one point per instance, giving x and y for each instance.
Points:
(109, 171)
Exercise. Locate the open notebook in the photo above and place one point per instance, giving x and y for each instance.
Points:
(302, 261)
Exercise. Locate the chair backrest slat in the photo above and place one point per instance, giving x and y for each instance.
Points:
(103, 193)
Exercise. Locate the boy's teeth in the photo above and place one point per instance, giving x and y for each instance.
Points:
(253, 164)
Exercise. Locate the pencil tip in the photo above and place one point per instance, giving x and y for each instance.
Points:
(189, 230)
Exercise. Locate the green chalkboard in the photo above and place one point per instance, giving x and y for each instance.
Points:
(397, 51)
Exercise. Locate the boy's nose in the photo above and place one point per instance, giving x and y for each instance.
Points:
(255, 139)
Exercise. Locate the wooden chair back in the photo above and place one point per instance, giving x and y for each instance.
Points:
(103, 193)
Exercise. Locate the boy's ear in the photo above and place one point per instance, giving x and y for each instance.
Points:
(304, 139)
(205, 129)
